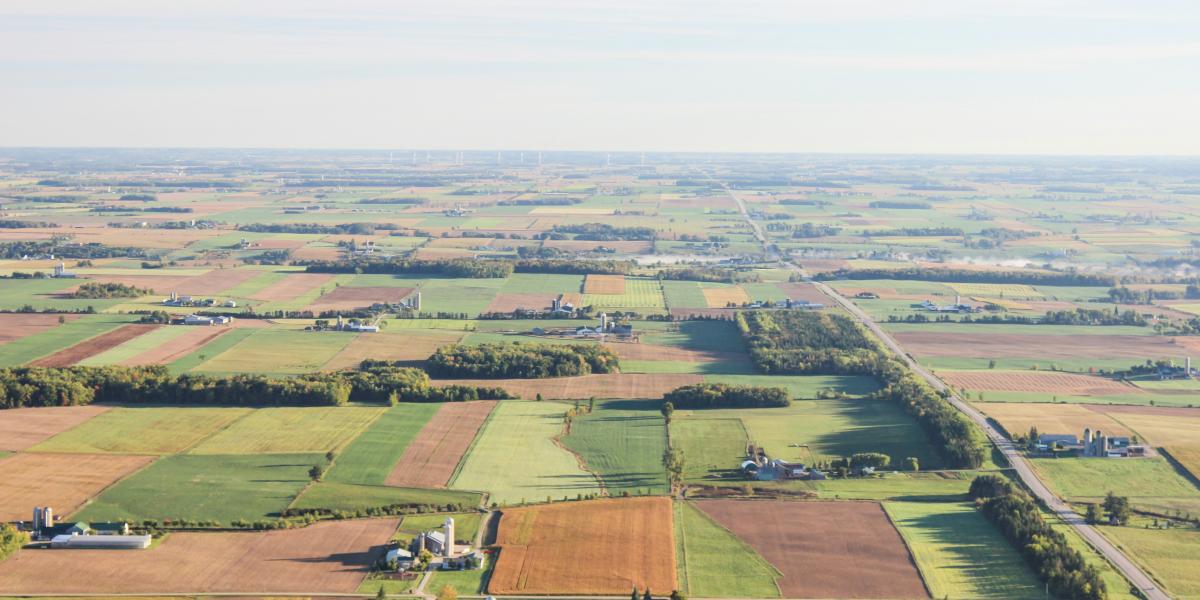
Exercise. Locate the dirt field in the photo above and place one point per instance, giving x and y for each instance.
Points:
(604, 284)
(824, 549)
(330, 557)
(1051, 418)
(16, 326)
(216, 281)
(619, 385)
(62, 481)
(349, 298)
(593, 547)
(721, 297)
(93, 346)
(21, 428)
(510, 302)
(392, 346)
(178, 347)
(431, 458)
(1067, 384)
(657, 352)
(1048, 347)
(805, 291)
(295, 284)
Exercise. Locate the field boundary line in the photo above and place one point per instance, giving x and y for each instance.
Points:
(908, 547)
(93, 497)
(744, 543)
(487, 422)
(583, 466)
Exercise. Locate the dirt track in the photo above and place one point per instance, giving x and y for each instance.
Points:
(824, 549)
(430, 460)
(330, 557)
(93, 346)
(593, 547)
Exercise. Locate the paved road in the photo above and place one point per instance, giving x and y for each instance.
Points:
(1015, 458)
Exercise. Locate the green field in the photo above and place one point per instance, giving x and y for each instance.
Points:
(960, 554)
(803, 386)
(290, 429)
(142, 343)
(644, 294)
(714, 563)
(370, 457)
(198, 356)
(711, 447)
(19, 352)
(219, 487)
(143, 430)
(464, 582)
(351, 497)
(515, 458)
(1170, 555)
(623, 442)
(278, 351)
(1150, 483)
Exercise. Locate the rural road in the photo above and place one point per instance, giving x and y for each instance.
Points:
(1123, 563)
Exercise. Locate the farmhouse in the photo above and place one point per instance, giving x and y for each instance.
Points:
(195, 319)
(761, 467)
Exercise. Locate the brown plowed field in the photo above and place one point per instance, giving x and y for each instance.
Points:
(1068, 384)
(604, 284)
(431, 458)
(349, 298)
(93, 346)
(804, 291)
(177, 347)
(593, 547)
(1048, 417)
(511, 302)
(721, 297)
(16, 326)
(21, 428)
(216, 281)
(62, 481)
(616, 385)
(1048, 347)
(329, 557)
(824, 549)
(657, 352)
(292, 286)
(410, 345)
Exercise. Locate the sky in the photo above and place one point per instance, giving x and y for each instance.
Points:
(841, 76)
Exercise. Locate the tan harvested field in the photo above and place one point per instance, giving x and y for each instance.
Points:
(430, 460)
(703, 312)
(1047, 347)
(804, 291)
(824, 549)
(1161, 426)
(349, 298)
(21, 428)
(93, 346)
(177, 347)
(404, 345)
(161, 285)
(592, 547)
(62, 481)
(295, 284)
(509, 302)
(1017, 418)
(141, 238)
(1188, 457)
(279, 244)
(16, 326)
(1067, 384)
(329, 557)
(604, 284)
(721, 297)
(216, 281)
(614, 385)
(317, 253)
(656, 352)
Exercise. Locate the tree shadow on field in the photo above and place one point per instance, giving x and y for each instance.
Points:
(972, 557)
(356, 561)
(629, 404)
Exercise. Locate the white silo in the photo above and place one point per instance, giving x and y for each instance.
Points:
(448, 547)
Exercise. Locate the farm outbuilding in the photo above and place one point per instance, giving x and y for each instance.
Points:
(97, 542)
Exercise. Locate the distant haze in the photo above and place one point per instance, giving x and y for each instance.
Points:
(941, 76)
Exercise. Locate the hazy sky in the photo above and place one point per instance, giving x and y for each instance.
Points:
(1017, 76)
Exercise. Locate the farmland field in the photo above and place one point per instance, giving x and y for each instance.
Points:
(328, 557)
(516, 459)
(279, 351)
(1169, 555)
(23, 350)
(436, 451)
(714, 563)
(631, 542)
(608, 385)
(824, 549)
(21, 428)
(372, 455)
(93, 346)
(1150, 483)
(636, 293)
(1043, 382)
(333, 495)
(622, 442)
(143, 430)
(217, 487)
(291, 429)
(63, 481)
(960, 554)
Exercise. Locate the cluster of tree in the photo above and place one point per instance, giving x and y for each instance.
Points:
(150, 209)
(720, 395)
(995, 237)
(551, 201)
(314, 228)
(1116, 510)
(914, 232)
(711, 274)
(1124, 295)
(16, 224)
(94, 290)
(11, 540)
(603, 232)
(63, 250)
(277, 256)
(190, 224)
(139, 197)
(51, 199)
(574, 267)
(517, 360)
(385, 182)
(801, 343)
(805, 230)
(413, 200)
(967, 276)
(1079, 316)
(947, 429)
(457, 267)
(902, 204)
(1045, 549)
(373, 383)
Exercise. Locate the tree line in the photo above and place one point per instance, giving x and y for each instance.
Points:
(968, 276)
(1019, 519)
(602, 232)
(518, 360)
(720, 395)
(95, 290)
(1079, 316)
